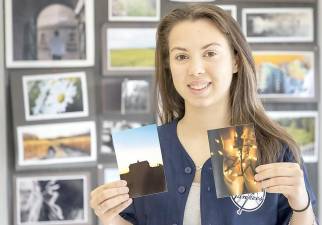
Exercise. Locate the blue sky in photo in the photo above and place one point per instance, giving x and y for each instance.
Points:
(123, 38)
(138, 144)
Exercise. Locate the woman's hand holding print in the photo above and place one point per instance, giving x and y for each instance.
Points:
(285, 178)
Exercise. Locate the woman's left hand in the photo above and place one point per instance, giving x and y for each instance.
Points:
(285, 178)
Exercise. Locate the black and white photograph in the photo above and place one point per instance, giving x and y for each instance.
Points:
(134, 10)
(52, 199)
(113, 125)
(135, 97)
(55, 96)
(46, 33)
(52, 144)
(278, 24)
(303, 128)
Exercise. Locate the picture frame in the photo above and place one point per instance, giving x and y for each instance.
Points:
(35, 41)
(128, 50)
(264, 25)
(129, 10)
(55, 96)
(52, 199)
(135, 97)
(303, 127)
(232, 9)
(56, 144)
(285, 74)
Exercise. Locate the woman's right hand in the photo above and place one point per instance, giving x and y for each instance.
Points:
(108, 200)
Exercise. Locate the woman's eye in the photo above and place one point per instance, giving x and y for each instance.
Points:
(181, 57)
(210, 54)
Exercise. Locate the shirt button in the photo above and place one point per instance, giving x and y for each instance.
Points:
(208, 188)
(181, 189)
(187, 170)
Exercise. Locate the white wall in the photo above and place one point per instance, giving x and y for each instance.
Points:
(4, 212)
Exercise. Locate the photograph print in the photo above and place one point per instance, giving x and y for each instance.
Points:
(234, 159)
(134, 10)
(47, 33)
(303, 128)
(55, 96)
(108, 173)
(129, 49)
(135, 97)
(139, 160)
(113, 125)
(49, 200)
(56, 143)
(278, 24)
(285, 74)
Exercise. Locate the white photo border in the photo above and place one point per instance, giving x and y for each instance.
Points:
(81, 75)
(246, 11)
(93, 155)
(90, 43)
(309, 54)
(85, 176)
(233, 9)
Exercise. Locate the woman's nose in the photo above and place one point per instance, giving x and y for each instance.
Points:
(196, 67)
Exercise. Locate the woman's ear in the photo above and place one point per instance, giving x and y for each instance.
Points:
(235, 63)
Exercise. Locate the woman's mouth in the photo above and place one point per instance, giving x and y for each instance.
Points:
(199, 86)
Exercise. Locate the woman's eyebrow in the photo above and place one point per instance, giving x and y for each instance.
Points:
(204, 47)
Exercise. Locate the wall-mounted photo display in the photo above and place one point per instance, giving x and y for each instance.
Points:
(49, 33)
(285, 74)
(107, 173)
(55, 96)
(114, 125)
(303, 127)
(134, 10)
(135, 97)
(278, 24)
(52, 199)
(128, 49)
(231, 9)
(56, 143)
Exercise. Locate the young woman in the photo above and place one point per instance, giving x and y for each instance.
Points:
(205, 79)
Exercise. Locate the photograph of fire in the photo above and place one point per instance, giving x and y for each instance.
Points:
(234, 159)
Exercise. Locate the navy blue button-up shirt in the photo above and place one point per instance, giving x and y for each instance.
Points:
(168, 207)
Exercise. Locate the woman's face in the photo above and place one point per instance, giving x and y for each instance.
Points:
(202, 63)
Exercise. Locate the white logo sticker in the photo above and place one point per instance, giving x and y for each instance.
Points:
(249, 202)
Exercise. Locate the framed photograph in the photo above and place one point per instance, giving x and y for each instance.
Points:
(55, 96)
(56, 143)
(285, 74)
(49, 33)
(303, 127)
(128, 49)
(108, 173)
(114, 125)
(231, 9)
(139, 160)
(134, 10)
(135, 97)
(52, 199)
(278, 24)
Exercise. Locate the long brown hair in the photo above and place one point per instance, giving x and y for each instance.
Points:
(246, 106)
